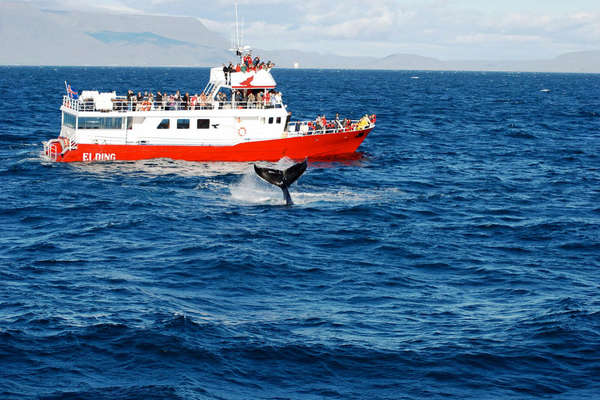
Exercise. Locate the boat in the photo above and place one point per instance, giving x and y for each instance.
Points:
(238, 116)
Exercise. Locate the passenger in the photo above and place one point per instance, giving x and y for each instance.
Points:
(203, 100)
(130, 100)
(177, 100)
(222, 97)
(304, 129)
(151, 101)
(164, 100)
(251, 100)
(274, 100)
(158, 100)
(259, 100)
(267, 99)
(238, 68)
(364, 121)
(186, 101)
(230, 69)
(338, 123)
(225, 73)
(347, 125)
(256, 61)
(138, 101)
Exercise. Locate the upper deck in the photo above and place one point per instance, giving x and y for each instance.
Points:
(251, 89)
(120, 104)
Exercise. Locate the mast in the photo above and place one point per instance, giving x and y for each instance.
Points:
(237, 32)
(238, 41)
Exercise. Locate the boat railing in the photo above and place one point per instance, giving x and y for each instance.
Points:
(303, 128)
(121, 104)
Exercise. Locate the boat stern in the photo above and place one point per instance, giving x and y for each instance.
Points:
(55, 149)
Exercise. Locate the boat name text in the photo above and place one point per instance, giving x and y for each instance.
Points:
(99, 156)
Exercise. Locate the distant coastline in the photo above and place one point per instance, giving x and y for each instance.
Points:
(76, 38)
(308, 68)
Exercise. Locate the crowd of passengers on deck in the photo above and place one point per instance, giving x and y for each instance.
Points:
(255, 98)
(248, 64)
(322, 125)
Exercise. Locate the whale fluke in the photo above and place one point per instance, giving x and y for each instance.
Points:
(282, 178)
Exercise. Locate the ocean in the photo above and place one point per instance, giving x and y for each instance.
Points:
(457, 255)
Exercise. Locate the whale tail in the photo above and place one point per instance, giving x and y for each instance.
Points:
(282, 178)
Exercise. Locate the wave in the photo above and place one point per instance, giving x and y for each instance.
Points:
(132, 391)
(213, 351)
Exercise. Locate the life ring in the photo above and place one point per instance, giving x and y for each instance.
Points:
(242, 131)
(145, 106)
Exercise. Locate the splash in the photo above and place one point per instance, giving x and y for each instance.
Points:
(251, 190)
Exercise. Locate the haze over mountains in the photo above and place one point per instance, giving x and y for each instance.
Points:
(34, 36)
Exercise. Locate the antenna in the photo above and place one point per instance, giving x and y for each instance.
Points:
(242, 33)
(237, 41)
(237, 32)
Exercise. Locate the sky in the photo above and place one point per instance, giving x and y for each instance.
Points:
(444, 29)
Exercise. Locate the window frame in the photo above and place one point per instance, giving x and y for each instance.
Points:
(181, 123)
(159, 126)
(205, 123)
(92, 123)
(72, 118)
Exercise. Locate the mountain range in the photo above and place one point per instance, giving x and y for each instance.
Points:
(36, 36)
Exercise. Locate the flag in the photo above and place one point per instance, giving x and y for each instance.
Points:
(72, 93)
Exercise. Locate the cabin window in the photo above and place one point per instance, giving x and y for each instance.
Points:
(278, 120)
(164, 124)
(100, 123)
(270, 120)
(183, 124)
(203, 123)
(129, 122)
(69, 120)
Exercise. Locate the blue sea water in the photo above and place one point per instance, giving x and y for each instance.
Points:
(458, 256)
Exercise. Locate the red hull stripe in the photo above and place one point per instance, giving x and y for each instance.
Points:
(297, 148)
